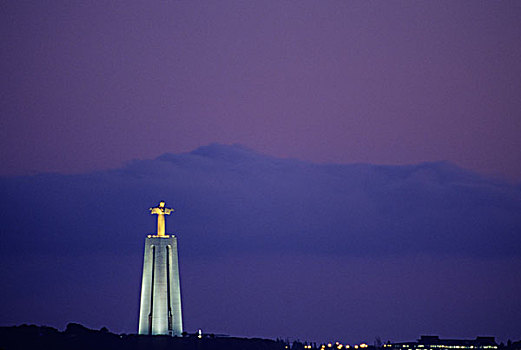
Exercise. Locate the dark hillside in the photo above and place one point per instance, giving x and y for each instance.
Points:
(78, 337)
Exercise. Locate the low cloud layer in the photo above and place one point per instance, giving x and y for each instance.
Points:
(231, 199)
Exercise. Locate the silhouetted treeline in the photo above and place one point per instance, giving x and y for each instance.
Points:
(81, 338)
(510, 345)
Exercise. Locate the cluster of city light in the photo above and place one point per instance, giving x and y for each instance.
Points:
(403, 346)
(339, 346)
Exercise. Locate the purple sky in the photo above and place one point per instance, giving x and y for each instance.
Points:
(362, 250)
(93, 85)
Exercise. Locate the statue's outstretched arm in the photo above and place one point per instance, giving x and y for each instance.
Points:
(155, 211)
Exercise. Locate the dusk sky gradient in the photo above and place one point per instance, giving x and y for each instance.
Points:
(91, 85)
(339, 169)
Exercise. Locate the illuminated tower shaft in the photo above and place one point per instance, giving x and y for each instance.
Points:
(160, 311)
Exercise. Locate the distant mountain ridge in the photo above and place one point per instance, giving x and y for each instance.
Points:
(236, 154)
(440, 170)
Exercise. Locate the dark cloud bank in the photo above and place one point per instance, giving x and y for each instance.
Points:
(269, 246)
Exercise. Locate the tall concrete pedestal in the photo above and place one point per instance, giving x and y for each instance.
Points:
(160, 311)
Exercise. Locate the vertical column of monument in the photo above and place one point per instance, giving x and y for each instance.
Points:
(175, 290)
(159, 295)
(145, 310)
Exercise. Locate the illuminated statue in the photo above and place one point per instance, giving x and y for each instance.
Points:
(161, 211)
(160, 307)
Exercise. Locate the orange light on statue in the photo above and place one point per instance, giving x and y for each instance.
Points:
(161, 211)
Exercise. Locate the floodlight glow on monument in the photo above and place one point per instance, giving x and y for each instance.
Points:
(160, 311)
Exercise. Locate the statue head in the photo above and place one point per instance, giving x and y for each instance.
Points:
(162, 204)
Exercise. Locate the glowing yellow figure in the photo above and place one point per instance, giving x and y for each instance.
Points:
(161, 211)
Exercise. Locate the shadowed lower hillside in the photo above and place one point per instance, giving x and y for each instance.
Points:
(78, 337)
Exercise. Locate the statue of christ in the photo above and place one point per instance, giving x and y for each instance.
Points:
(161, 211)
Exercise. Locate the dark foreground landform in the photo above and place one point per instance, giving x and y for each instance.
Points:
(79, 337)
